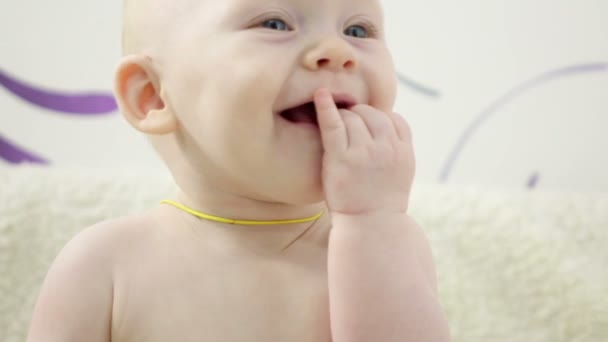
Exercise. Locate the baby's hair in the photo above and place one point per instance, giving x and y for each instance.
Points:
(128, 44)
(137, 20)
(147, 23)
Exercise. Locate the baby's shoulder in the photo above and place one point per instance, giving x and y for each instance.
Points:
(106, 242)
(77, 293)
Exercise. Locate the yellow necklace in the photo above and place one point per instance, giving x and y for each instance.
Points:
(241, 222)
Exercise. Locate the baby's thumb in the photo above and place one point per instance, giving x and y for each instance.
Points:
(333, 130)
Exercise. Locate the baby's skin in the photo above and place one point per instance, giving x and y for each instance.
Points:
(261, 110)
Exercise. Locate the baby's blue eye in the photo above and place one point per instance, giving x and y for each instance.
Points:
(276, 24)
(357, 31)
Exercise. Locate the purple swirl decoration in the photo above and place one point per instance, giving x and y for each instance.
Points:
(81, 104)
(16, 155)
(77, 104)
(417, 86)
(533, 181)
(510, 96)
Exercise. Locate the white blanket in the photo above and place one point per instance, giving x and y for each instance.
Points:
(513, 266)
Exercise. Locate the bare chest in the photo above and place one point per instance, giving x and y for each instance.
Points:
(232, 299)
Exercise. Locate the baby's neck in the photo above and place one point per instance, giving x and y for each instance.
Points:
(226, 206)
(269, 238)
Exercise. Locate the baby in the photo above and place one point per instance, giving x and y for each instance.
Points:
(291, 220)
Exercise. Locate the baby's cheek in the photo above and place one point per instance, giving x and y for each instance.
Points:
(382, 83)
(384, 94)
(251, 87)
(183, 88)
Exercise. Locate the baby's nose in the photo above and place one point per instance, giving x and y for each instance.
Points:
(331, 53)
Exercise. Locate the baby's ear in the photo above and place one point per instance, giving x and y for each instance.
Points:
(139, 97)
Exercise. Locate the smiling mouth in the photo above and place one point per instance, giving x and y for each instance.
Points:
(307, 113)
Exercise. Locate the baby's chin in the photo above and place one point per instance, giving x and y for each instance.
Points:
(298, 190)
(313, 196)
(293, 193)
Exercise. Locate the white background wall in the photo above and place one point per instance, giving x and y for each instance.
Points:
(470, 53)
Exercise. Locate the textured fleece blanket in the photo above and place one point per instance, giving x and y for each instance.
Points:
(513, 266)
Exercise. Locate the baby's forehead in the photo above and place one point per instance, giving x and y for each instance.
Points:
(151, 10)
(320, 5)
(148, 22)
(174, 7)
(154, 9)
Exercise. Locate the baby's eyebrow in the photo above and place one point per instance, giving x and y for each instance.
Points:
(240, 10)
(253, 8)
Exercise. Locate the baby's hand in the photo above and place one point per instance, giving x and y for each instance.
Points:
(369, 163)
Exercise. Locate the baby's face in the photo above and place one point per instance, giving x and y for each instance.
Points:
(234, 70)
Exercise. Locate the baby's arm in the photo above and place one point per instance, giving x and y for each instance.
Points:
(75, 302)
(382, 284)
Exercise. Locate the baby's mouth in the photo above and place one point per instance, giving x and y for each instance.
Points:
(306, 113)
